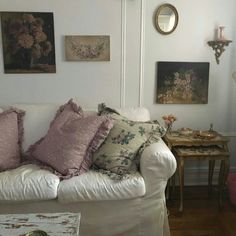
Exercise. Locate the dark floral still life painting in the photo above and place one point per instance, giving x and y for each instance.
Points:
(28, 42)
(182, 82)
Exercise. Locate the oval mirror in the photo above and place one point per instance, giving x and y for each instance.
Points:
(166, 19)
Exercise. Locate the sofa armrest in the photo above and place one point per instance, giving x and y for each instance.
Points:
(157, 165)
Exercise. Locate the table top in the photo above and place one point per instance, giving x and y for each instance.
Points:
(54, 224)
(176, 138)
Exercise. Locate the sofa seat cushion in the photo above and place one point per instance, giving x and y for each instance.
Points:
(95, 186)
(26, 183)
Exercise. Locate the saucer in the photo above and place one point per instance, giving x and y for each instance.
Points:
(206, 134)
(36, 233)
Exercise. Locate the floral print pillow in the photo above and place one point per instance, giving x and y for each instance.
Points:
(117, 154)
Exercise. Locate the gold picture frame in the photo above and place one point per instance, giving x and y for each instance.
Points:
(87, 48)
(28, 42)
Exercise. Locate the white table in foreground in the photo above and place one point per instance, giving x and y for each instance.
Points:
(54, 224)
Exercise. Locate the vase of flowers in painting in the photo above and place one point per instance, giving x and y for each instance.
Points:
(26, 41)
(23, 59)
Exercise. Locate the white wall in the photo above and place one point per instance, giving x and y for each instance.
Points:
(118, 82)
(197, 21)
(90, 82)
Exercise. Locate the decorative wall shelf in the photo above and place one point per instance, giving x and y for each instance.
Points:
(218, 47)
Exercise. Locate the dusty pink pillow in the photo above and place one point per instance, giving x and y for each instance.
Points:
(67, 112)
(70, 141)
(11, 135)
(98, 127)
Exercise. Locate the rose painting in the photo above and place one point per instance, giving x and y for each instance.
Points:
(87, 47)
(182, 82)
(28, 42)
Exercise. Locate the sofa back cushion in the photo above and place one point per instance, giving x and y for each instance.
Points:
(39, 116)
(11, 134)
(36, 121)
(135, 113)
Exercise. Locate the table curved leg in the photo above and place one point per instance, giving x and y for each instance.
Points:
(181, 182)
(210, 175)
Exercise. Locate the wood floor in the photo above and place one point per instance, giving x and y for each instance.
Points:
(201, 216)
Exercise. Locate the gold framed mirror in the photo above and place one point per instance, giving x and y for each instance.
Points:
(166, 19)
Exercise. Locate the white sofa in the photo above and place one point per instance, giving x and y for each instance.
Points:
(131, 207)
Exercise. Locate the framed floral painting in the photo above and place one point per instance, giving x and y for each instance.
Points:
(182, 82)
(87, 48)
(28, 42)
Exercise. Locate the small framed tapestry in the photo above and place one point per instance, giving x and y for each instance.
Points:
(87, 48)
(28, 42)
(182, 82)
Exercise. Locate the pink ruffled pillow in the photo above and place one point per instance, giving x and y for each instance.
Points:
(11, 136)
(71, 140)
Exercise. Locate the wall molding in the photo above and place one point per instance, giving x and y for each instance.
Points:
(123, 53)
(142, 51)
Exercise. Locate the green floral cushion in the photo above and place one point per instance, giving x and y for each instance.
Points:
(117, 154)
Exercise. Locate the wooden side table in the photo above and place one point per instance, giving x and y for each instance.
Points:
(195, 147)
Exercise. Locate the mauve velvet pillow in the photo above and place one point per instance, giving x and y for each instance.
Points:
(70, 141)
(11, 135)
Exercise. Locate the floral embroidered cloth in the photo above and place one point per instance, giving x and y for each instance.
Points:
(119, 151)
(54, 224)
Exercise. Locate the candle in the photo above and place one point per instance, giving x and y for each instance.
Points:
(220, 33)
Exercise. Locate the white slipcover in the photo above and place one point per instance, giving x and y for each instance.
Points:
(28, 182)
(140, 208)
(94, 186)
(36, 121)
(135, 113)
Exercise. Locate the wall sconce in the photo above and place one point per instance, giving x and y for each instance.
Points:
(219, 44)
